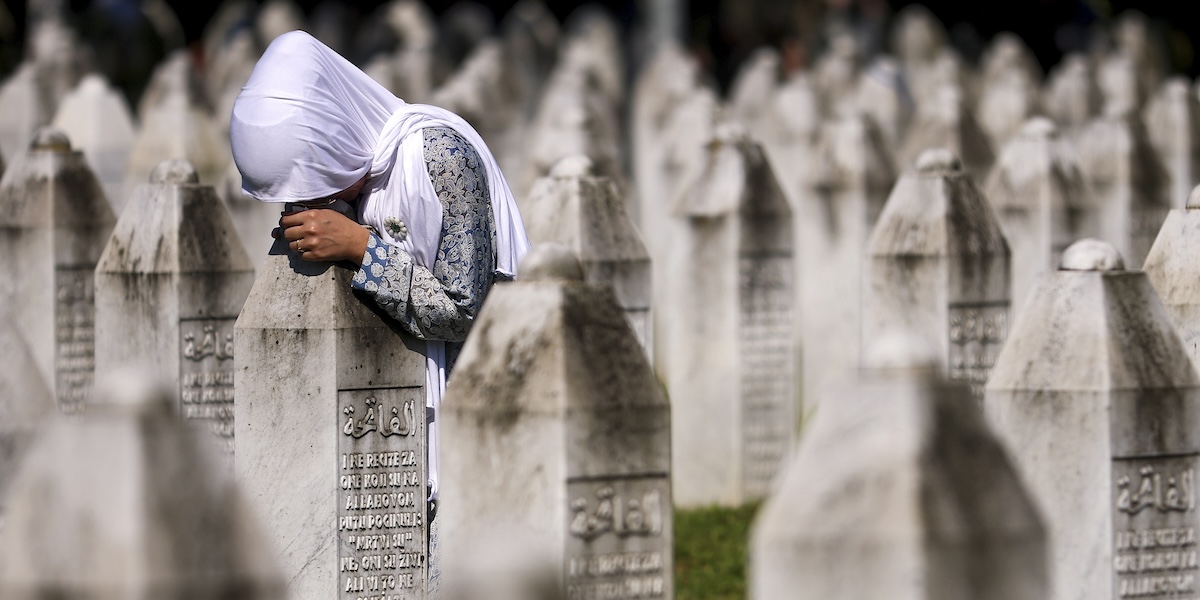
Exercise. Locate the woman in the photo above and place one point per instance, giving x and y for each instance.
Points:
(437, 223)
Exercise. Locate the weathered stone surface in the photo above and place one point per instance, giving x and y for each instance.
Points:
(1175, 274)
(790, 139)
(1136, 40)
(943, 120)
(1042, 200)
(557, 428)
(898, 490)
(938, 265)
(1172, 119)
(126, 502)
(1093, 395)
(1125, 173)
(54, 222)
(1072, 97)
(852, 175)
(26, 400)
(22, 110)
(928, 62)
(98, 122)
(330, 430)
(505, 562)
(753, 91)
(1009, 94)
(586, 213)
(730, 333)
(169, 287)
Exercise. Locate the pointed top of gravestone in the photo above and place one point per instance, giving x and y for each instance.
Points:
(938, 162)
(174, 171)
(549, 262)
(1193, 201)
(50, 139)
(1091, 254)
(578, 165)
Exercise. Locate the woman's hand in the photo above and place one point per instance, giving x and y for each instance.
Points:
(322, 234)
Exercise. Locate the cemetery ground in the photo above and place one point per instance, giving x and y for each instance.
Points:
(711, 552)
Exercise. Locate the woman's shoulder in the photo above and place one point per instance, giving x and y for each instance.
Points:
(445, 142)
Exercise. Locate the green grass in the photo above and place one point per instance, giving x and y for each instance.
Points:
(710, 552)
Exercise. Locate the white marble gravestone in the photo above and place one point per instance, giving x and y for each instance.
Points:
(26, 400)
(169, 287)
(938, 265)
(99, 123)
(1094, 396)
(850, 179)
(557, 428)
(731, 363)
(884, 95)
(753, 90)
(585, 212)
(126, 502)
(899, 490)
(944, 120)
(1172, 119)
(1175, 275)
(22, 110)
(1042, 200)
(1071, 96)
(1123, 169)
(330, 423)
(54, 222)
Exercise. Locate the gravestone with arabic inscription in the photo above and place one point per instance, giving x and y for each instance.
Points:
(730, 326)
(556, 427)
(899, 490)
(1173, 271)
(329, 418)
(125, 501)
(1094, 396)
(1042, 201)
(937, 265)
(586, 213)
(169, 287)
(54, 222)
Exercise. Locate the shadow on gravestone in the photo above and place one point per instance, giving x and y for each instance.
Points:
(330, 426)
(555, 426)
(54, 222)
(1096, 400)
(899, 491)
(126, 501)
(169, 287)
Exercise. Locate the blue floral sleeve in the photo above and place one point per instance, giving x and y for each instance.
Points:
(440, 304)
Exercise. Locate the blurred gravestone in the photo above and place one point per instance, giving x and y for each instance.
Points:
(1072, 97)
(169, 287)
(945, 121)
(1172, 120)
(1174, 272)
(94, 116)
(54, 222)
(26, 400)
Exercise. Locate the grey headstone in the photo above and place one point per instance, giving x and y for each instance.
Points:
(730, 332)
(1072, 97)
(99, 123)
(852, 175)
(899, 490)
(752, 91)
(938, 265)
(553, 384)
(884, 95)
(586, 213)
(22, 110)
(1042, 200)
(1127, 177)
(54, 222)
(330, 429)
(1009, 96)
(1173, 271)
(169, 287)
(126, 502)
(1094, 396)
(944, 120)
(530, 34)
(1136, 39)
(837, 75)
(277, 17)
(1172, 119)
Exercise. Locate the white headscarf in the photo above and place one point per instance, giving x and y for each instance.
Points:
(309, 124)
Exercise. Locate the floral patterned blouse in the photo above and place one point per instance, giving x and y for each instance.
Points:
(439, 304)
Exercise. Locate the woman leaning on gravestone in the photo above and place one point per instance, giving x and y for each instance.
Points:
(407, 193)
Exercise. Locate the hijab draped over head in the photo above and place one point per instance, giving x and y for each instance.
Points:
(309, 124)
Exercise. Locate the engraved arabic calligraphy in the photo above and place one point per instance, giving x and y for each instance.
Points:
(400, 423)
(613, 513)
(208, 345)
(1177, 494)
